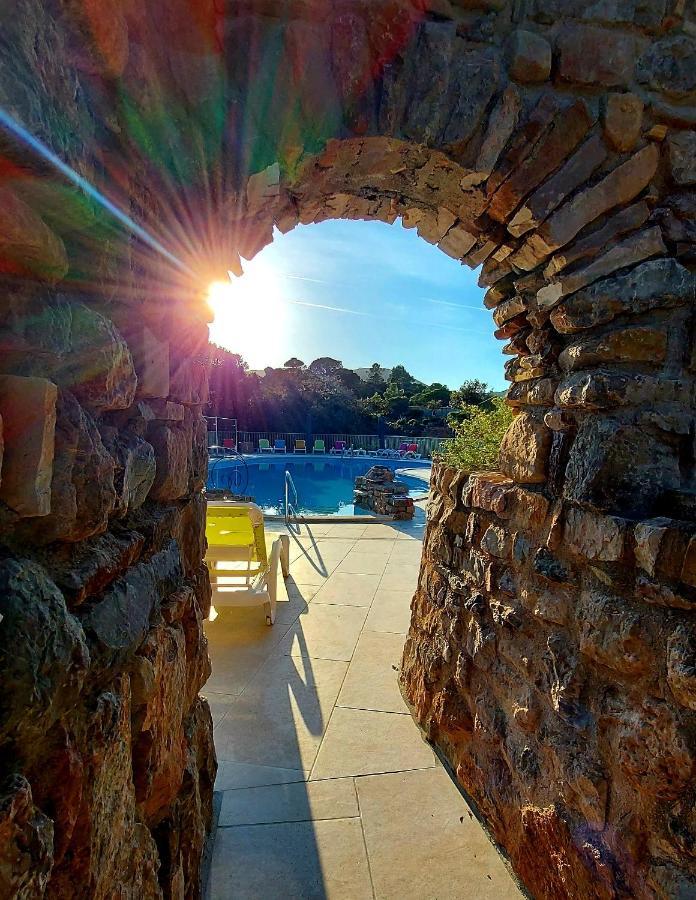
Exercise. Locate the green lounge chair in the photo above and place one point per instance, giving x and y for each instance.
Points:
(265, 446)
(319, 446)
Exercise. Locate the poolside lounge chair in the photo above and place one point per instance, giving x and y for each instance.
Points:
(319, 446)
(403, 448)
(338, 447)
(265, 446)
(228, 444)
(300, 446)
(412, 452)
(279, 446)
(241, 571)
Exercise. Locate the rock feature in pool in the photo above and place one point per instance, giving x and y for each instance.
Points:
(379, 491)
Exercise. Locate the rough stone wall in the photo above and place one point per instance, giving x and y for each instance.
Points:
(106, 756)
(551, 651)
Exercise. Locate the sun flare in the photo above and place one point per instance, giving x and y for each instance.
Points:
(249, 314)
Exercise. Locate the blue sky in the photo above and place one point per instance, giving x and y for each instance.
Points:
(362, 292)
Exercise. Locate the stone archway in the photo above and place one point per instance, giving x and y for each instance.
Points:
(551, 651)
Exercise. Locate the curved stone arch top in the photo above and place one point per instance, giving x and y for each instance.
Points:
(551, 651)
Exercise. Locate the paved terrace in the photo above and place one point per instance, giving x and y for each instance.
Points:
(326, 783)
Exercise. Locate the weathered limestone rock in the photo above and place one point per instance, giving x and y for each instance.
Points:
(632, 250)
(151, 360)
(669, 66)
(619, 186)
(26, 850)
(620, 223)
(682, 157)
(660, 282)
(27, 245)
(619, 468)
(97, 366)
(578, 168)
(171, 448)
(501, 125)
(640, 344)
(82, 486)
(525, 449)
(681, 667)
(530, 56)
(567, 130)
(594, 536)
(623, 117)
(28, 410)
(591, 55)
(45, 680)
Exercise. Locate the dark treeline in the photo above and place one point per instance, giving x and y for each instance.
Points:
(325, 397)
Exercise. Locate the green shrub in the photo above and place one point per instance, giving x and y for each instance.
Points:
(477, 437)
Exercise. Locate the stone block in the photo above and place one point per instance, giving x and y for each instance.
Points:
(457, 242)
(572, 174)
(682, 157)
(648, 538)
(525, 448)
(27, 245)
(97, 366)
(188, 381)
(620, 186)
(621, 468)
(151, 359)
(639, 344)
(620, 223)
(634, 249)
(501, 125)
(651, 285)
(530, 57)
(669, 66)
(613, 636)
(623, 117)
(44, 680)
(595, 56)
(171, 446)
(28, 410)
(681, 666)
(497, 542)
(567, 129)
(593, 535)
(26, 853)
(82, 486)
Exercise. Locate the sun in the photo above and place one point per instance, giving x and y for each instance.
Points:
(249, 314)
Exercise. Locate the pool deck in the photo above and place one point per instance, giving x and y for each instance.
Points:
(327, 788)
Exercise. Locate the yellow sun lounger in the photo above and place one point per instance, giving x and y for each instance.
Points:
(241, 571)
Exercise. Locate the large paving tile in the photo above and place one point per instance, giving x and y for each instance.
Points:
(239, 641)
(281, 717)
(334, 798)
(232, 775)
(325, 632)
(310, 570)
(348, 589)
(372, 678)
(362, 564)
(298, 860)
(360, 742)
(390, 611)
(375, 546)
(423, 843)
(347, 530)
(293, 600)
(408, 552)
(400, 577)
(219, 704)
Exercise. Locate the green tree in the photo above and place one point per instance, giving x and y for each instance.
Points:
(472, 393)
(477, 438)
(404, 380)
(435, 396)
(325, 366)
(294, 363)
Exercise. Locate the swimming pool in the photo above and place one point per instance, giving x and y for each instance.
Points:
(324, 483)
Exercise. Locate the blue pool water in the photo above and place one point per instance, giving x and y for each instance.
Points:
(324, 484)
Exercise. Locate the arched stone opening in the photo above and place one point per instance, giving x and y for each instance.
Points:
(550, 656)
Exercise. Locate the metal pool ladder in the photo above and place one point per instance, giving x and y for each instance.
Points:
(291, 508)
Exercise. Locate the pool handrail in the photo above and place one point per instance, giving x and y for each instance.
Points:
(290, 508)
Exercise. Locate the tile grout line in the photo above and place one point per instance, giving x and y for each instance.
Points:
(289, 822)
(362, 831)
